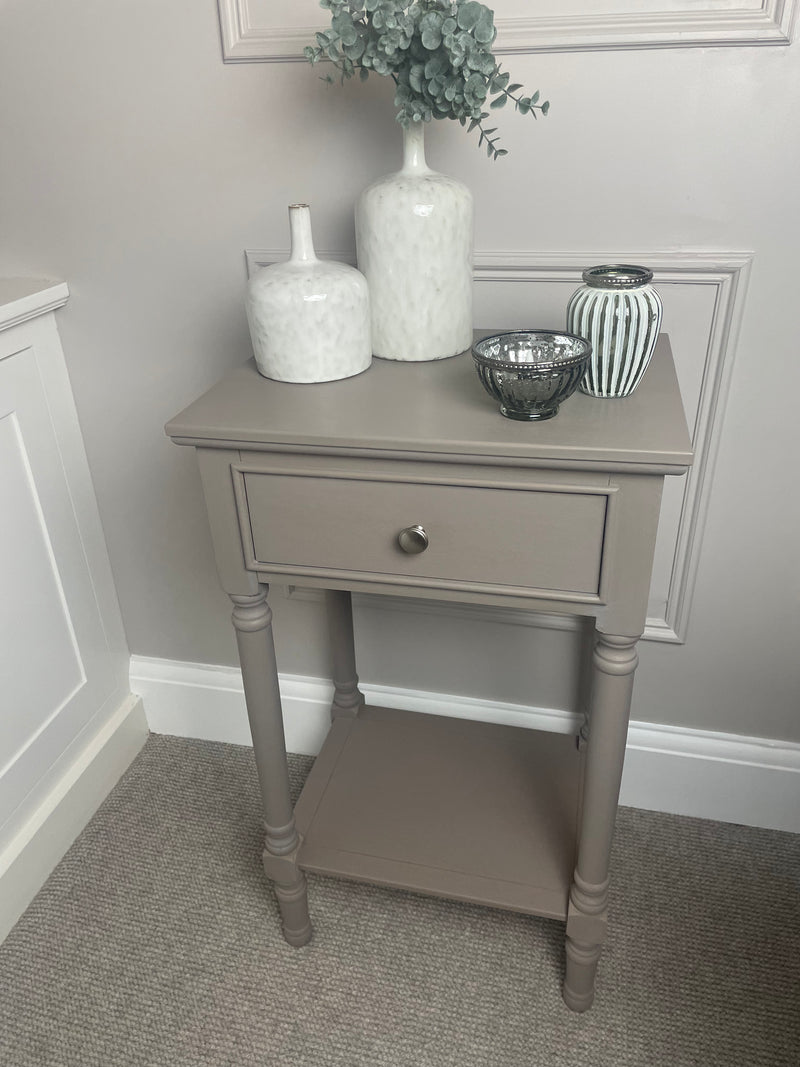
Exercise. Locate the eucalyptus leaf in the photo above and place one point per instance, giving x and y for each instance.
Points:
(345, 27)
(469, 14)
(355, 50)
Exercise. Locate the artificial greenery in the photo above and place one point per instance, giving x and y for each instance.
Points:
(438, 53)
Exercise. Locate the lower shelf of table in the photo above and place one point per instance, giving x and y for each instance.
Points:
(454, 808)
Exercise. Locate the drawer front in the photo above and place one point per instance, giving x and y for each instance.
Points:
(548, 539)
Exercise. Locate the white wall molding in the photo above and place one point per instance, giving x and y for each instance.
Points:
(64, 803)
(724, 274)
(207, 702)
(674, 769)
(28, 298)
(253, 31)
(668, 27)
(69, 724)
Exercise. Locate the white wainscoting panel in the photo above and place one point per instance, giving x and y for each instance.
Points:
(65, 801)
(258, 30)
(63, 655)
(704, 293)
(747, 780)
(41, 616)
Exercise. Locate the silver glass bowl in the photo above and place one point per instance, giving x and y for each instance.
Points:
(531, 372)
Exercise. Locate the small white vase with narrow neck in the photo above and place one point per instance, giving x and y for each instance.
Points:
(309, 318)
(414, 244)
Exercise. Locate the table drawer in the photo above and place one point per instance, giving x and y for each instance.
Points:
(548, 538)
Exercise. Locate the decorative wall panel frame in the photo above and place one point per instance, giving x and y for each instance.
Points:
(726, 274)
(249, 36)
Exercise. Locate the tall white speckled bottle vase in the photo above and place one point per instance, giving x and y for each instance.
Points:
(414, 244)
(309, 318)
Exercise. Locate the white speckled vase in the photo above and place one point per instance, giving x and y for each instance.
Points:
(309, 318)
(414, 242)
(619, 312)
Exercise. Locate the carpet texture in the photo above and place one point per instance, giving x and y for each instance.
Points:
(155, 943)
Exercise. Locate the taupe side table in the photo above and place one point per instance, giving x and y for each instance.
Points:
(407, 480)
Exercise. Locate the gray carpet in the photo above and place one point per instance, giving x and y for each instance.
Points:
(155, 942)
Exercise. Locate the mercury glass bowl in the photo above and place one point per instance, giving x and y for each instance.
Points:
(531, 372)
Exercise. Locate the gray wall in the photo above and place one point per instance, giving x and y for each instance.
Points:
(138, 167)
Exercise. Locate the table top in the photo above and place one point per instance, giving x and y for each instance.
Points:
(440, 408)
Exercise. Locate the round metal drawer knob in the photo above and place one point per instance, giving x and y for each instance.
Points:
(413, 539)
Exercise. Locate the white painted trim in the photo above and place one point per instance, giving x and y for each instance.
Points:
(709, 26)
(27, 298)
(67, 806)
(674, 769)
(750, 780)
(727, 272)
(245, 41)
(207, 702)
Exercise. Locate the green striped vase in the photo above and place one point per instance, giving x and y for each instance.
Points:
(619, 312)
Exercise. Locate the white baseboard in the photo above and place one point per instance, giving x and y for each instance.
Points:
(66, 807)
(746, 780)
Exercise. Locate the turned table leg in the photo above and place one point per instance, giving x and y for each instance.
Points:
(347, 697)
(252, 618)
(614, 663)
